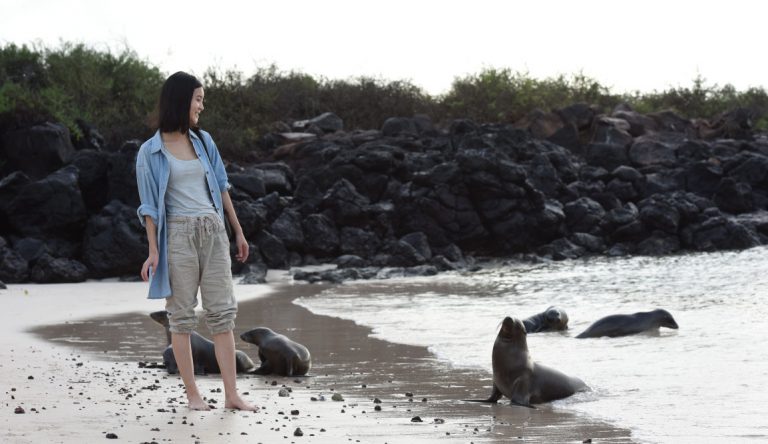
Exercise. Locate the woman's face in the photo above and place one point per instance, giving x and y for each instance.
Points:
(196, 107)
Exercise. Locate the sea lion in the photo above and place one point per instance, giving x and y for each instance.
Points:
(279, 355)
(552, 319)
(623, 325)
(203, 352)
(518, 377)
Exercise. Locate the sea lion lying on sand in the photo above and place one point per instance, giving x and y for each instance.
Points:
(551, 319)
(518, 377)
(279, 355)
(624, 325)
(203, 352)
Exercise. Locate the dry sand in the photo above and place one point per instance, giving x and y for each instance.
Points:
(71, 358)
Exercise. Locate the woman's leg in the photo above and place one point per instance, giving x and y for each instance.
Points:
(182, 351)
(221, 309)
(225, 356)
(184, 274)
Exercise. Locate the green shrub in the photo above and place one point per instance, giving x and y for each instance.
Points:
(501, 95)
(116, 91)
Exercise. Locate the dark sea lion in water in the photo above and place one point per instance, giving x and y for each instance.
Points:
(279, 355)
(551, 319)
(518, 377)
(203, 352)
(623, 325)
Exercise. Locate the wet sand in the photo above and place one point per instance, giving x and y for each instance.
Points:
(83, 345)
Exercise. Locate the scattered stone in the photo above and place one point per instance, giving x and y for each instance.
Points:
(409, 394)
(377, 408)
(111, 436)
(19, 410)
(294, 412)
(587, 441)
(376, 401)
(298, 432)
(416, 419)
(337, 397)
(439, 421)
(283, 393)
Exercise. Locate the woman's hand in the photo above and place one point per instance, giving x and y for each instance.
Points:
(150, 266)
(242, 248)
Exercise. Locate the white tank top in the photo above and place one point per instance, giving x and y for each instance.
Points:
(187, 193)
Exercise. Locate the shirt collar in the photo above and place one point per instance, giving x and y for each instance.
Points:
(155, 143)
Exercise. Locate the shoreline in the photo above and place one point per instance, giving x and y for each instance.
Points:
(73, 378)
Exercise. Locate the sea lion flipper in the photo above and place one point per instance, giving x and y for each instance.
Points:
(521, 391)
(264, 369)
(495, 395)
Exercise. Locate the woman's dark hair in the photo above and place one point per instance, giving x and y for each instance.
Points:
(172, 112)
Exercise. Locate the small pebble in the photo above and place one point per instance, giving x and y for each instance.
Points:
(111, 436)
(337, 397)
(298, 432)
(377, 408)
(587, 441)
(283, 393)
(439, 421)
(416, 419)
(18, 410)
(294, 412)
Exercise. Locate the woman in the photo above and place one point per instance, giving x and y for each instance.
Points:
(184, 198)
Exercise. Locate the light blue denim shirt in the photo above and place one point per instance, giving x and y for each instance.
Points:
(152, 173)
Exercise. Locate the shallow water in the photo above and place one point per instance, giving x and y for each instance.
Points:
(703, 382)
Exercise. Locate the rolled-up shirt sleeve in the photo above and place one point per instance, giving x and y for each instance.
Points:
(218, 167)
(147, 188)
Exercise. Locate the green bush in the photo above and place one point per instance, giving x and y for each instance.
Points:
(501, 95)
(116, 92)
(703, 100)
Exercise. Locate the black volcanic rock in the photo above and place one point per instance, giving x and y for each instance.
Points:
(53, 205)
(48, 269)
(115, 243)
(39, 150)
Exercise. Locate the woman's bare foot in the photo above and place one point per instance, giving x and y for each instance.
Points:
(238, 403)
(197, 403)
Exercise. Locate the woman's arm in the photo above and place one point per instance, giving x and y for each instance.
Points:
(150, 265)
(237, 230)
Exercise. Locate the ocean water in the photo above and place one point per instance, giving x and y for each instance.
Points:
(706, 382)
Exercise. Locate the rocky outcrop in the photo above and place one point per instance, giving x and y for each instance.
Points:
(415, 198)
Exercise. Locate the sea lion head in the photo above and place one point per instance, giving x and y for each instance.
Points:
(161, 317)
(666, 319)
(556, 318)
(256, 335)
(512, 330)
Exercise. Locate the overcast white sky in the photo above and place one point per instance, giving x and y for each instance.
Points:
(640, 45)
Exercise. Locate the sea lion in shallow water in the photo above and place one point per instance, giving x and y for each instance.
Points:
(279, 355)
(623, 325)
(518, 377)
(551, 319)
(203, 352)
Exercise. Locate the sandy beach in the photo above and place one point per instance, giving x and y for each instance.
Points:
(74, 357)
